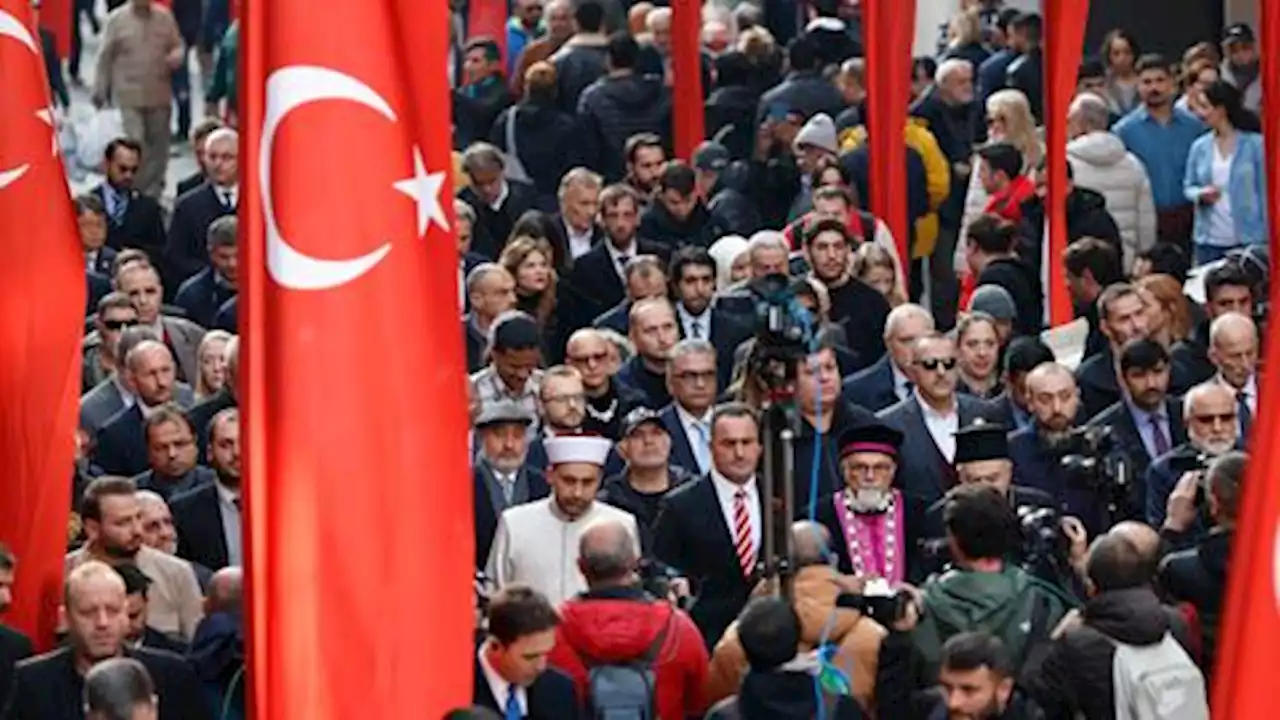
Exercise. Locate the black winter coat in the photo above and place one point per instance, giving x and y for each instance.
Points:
(1199, 576)
(807, 93)
(700, 228)
(730, 118)
(1087, 216)
(615, 108)
(548, 141)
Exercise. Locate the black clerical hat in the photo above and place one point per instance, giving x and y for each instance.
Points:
(870, 437)
(982, 440)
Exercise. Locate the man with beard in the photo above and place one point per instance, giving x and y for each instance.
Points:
(537, 543)
(1209, 411)
(502, 478)
(608, 401)
(171, 453)
(858, 307)
(139, 634)
(209, 518)
(679, 217)
(598, 279)
(646, 157)
(976, 682)
(1091, 265)
(113, 530)
(639, 489)
(1240, 68)
(562, 402)
(1037, 451)
(51, 686)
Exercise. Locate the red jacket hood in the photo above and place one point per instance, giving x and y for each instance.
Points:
(613, 630)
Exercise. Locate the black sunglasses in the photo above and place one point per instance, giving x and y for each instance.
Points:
(118, 324)
(933, 363)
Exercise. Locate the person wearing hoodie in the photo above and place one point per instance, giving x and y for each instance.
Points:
(621, 104)
(1101, 163)
(779, 685)
(1075, 676)
(678, 216)
(539, 139)
(616, 622)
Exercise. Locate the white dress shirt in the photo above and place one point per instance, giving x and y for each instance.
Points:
(901, 383)
(579, 242)
(499, 685)
(616, 256)
(229, 196)
(228, 506)
(496, 205)
(942, 426)
(688, 321)
(126, 397)
(725, 492)
(698, 431)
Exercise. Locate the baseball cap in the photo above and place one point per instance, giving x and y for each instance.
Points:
(638, 417)
(1238, 33)
(711, 156)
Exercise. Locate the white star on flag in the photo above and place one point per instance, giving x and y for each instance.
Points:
(424, 188)
(46, 116)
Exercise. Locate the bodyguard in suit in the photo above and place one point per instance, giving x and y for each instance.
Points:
(693, 281)
(1121, 318)
(691, 377)
(887, 381)
(188, 249)
(135, 220)
(930, 419)
(502, 477)
(511, 675)
(142, 284)
(113, 314)
(122, 443)
(208, 519)
(1146, 423)
(711, 529)
(498, 202)
(204, 293)
(171, 454)
(199, 134)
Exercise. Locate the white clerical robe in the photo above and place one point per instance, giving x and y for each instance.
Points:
(537, 545)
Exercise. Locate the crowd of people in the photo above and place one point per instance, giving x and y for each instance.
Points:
(981, 527)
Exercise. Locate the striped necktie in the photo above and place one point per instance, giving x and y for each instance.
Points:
(742, 534)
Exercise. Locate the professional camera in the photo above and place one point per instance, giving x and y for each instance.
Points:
(656, 577)
(784, 329)
(1192, 461)
(1089, 457)
(1046, 551)
(877, 601)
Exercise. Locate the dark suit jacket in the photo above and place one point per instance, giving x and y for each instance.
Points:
(486, 521)
(197, 516)
(105, 258)
(96, 287)
(188, 251)
(551, 697)
(652, 387)
(169, 488)
(122, 443)
(872, 387)
(1128, 440)
(618, 319)
(727, 333)
(190, 182)
(492, 228)
(14, 646)
(595, 281)
(201, 414)
(558, 236)
(1099, 388)
(691, 536)
(922, 469)
(476, 342)
(47, 687)
(681, 451)
(201, 296)
(1161, 479)
(142, 226)
(225, 318)
(156, 640)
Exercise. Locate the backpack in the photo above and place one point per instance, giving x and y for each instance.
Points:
(1157, 682)
(625, 690)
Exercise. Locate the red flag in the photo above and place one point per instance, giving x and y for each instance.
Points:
(1066, 20)
(1250, 633)
(688, 116)
(55, 15)
(41, 322)
(888, 31)
(357, 481)
(488, 18)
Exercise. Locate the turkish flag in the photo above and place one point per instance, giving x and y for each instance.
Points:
(358, 497)
(41, 323)
(1249, 644)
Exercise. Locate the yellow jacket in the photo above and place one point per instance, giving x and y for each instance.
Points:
(937, 176)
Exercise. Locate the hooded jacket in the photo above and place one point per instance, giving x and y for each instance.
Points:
(546, 141)
(620, 625)
(700, 228)
(613, 109)
(579, 62)
(1074, 678)
(814, 598)
(1101, 163)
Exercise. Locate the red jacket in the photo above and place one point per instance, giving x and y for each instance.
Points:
(1008, 202)
(620, 625)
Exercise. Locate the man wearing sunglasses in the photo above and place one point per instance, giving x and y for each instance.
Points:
(1209, 411)
(114, 313)
(930, 417)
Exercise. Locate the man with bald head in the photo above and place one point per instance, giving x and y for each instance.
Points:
(616, 621)
(122, 441)
(654, 333)
(1233, 350)
(217, 650)
(1210, 412)
(188, 251)
(815, 586)
(608, 401)
(51, 686)
(888, 380)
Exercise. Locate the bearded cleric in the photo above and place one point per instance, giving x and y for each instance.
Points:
(872, 524)
(537, 543)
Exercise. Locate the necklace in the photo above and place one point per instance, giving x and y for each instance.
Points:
(603, 416)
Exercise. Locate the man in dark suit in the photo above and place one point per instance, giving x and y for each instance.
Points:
(204, 293)
(188, 249)
(574, 231)
(598, 278)
(510, 675)
(14, 646)
(140, 634)
(226, 317)
(691, 378)
(208, 519)
(199, 134)
(645, 277)
(711, 529)
(201, 415)
(51, 687)
(92, 221)
(498, 202)
(171, 454)
(654, 334)
(1023, 355)
(502, 476)
(930, 418)
(693, 280)
(1146, 423)
(122, 441)
(492, 291)
(135, 220)
(1121, 318)
(888, 381)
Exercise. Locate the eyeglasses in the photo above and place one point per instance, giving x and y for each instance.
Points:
(588, 359)
(693, 376)
(932, 364)
(118, 324)
(1224, 418)
(576, 399)
(863, 469)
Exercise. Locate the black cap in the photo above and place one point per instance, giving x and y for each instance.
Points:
(870, 437)
(515, 331)
(711, 156)
(982, 440)
(638, 417)
(1238, 33)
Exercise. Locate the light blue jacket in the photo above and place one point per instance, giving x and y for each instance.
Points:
(1247, 188)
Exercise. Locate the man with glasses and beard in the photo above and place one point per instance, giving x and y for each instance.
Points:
(113, 527)
(608, 401)
(1209, 411)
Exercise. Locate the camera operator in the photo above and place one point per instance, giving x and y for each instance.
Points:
(615, 622)
(1037, 452)
(983, 593)
(1209, 411)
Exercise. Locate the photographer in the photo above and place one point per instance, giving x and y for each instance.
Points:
(983, 593)
(1038, 452)
(615, 623)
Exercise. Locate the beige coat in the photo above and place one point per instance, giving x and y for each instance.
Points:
(858, 637)
(134, 64)
(174, 603)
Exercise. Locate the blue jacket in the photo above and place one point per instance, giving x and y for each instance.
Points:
(1246, 188)
(1162, 149)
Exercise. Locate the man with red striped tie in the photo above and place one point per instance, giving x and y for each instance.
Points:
(711, 530)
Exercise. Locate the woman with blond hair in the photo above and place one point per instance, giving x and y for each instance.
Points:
(530, 261)
(964, 39)
(876, 266)
(212, 358)
(1168, 310)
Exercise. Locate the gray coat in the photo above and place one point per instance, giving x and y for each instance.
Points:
(99, 404)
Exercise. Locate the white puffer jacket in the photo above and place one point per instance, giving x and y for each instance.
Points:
(1102, 164)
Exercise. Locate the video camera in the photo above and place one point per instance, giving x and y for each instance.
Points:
(1041, 548)
(1185, 462)
(877, 601)
(1089, 457)
(656, 577)
(784, 331)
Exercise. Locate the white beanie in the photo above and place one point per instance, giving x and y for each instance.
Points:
(819, 132)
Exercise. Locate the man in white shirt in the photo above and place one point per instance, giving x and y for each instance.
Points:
(537, 543)
(511, 675)
(887, 382)
(691, 379)
(579, 197)
(1233, 350)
